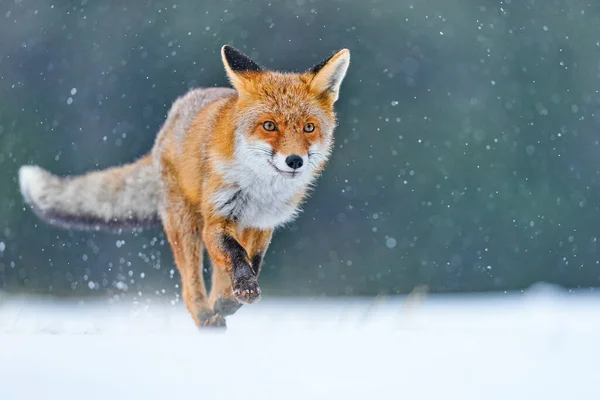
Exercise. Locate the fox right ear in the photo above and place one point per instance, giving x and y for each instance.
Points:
(237, 65)
(327, 76)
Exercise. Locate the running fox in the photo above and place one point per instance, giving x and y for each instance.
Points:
(227, 167)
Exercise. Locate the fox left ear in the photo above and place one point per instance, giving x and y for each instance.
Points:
(329, 74)
(237, 65)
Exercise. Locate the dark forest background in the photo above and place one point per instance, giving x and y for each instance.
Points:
(466, 159)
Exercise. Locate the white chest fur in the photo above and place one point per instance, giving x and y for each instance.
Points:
(262, 201)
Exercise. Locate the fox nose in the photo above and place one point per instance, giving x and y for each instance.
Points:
(294, 161)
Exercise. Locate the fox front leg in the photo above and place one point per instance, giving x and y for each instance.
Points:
(234, 281)
(255, 242)
(244, 280)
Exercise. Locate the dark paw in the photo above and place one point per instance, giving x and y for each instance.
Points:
(227, 307)
(212, 320)
(246, 290)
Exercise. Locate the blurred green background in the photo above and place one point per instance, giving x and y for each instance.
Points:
(466, 159)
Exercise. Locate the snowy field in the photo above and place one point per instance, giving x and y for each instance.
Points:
(544, 344)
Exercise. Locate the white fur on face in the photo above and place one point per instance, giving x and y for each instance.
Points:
(258, 156)
(257, 194)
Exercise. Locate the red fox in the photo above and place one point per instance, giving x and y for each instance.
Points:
(228, 166)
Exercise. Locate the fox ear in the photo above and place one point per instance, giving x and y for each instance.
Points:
(329, 74)
(237, 65)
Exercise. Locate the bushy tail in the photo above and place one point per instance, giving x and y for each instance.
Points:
(114, 199)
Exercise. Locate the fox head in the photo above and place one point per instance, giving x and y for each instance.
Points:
(284, 121)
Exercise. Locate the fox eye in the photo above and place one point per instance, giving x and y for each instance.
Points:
(310, 127)
(269, 126)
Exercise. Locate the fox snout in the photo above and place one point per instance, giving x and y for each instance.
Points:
(292, 163)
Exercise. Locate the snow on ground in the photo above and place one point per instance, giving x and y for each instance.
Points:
(541, 345)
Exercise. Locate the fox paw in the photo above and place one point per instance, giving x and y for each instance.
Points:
(227, 307)
(246, 290)
(212, 320)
